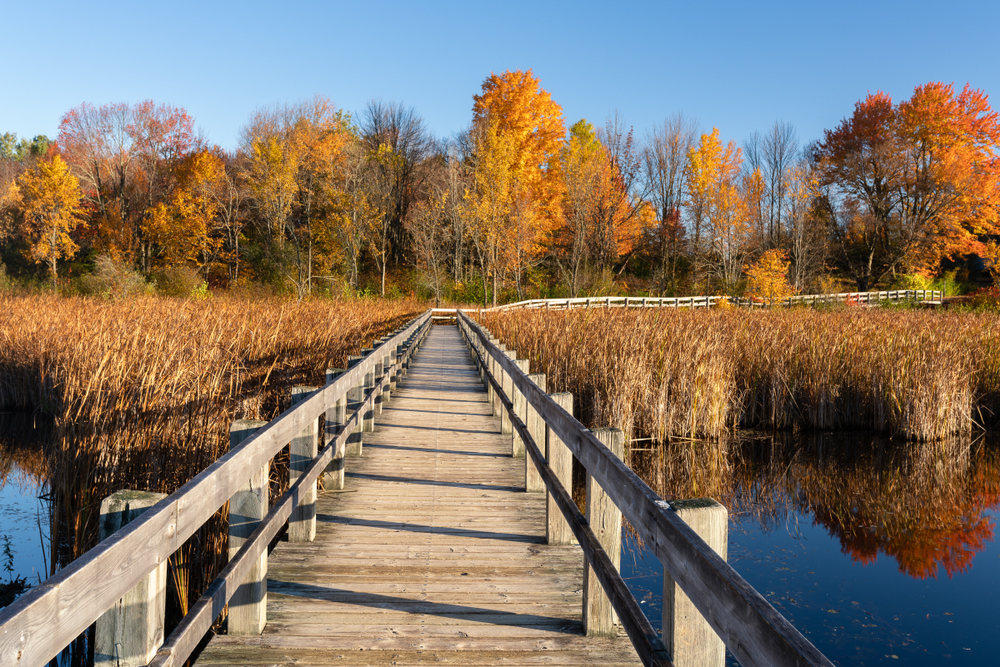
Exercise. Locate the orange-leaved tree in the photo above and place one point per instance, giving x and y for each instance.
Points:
(909, 184)
(50, 204)
(718, 209)
(529, 128)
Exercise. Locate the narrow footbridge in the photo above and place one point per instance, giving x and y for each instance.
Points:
(430, 519)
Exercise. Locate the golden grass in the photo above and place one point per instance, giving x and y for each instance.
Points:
(681, 373)
(142, 392)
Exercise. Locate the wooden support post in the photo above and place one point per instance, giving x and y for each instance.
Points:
(688, 637)
(130, 633)
(247, 507)
(354, 397)
(397, 374)
(507, 383)
(497, 375)
(605, 520)
(536, 427)
(336, 416)
(387, 362)
(520, 409)
(561, 461)
(302, 451)
(369, 421)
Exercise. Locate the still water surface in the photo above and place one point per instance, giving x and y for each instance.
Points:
(883, 553)
(879, 552)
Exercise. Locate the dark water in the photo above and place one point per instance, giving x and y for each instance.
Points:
(880, 553)
(24, 510)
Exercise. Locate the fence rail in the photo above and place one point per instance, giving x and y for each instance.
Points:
(46, 619)
(930, 296)
(748, 625)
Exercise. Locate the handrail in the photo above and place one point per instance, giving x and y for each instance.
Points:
(750, 627)
(37, 626)
(644, 637)
(707, 301)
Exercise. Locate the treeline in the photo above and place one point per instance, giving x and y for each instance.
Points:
(516, 206)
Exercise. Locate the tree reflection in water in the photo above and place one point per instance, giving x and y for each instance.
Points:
(924, 505)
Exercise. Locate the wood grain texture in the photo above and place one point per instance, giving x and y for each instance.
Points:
(247, 607)
(432, 553)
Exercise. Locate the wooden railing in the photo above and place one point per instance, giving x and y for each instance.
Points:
(748, 625)
(708, 301)
(37, 627)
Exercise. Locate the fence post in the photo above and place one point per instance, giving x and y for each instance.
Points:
(336, 415)
(507, 383)
(516, 443)
(369, 420)
(130, 633)
(536, 427)
(605, 519)
(354, 397)
(387, 362)
(688, 636)
(495, 373)
(560, 459)
(302, 451)
(247, 507)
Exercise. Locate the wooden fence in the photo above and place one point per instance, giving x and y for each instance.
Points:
(37, 627)
(748, 625)
(930, 296)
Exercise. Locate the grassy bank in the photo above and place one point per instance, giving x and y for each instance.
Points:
(659, 373)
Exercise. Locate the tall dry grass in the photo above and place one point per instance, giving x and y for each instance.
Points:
(142, 392)
(680, 373)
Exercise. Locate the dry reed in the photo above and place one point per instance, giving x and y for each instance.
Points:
(703, 373)
(142, 392)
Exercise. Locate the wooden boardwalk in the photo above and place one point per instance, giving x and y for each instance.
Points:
(433, 553)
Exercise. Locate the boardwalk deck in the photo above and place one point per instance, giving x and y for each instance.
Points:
(433, 553)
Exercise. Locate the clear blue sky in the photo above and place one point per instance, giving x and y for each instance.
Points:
(735, 65)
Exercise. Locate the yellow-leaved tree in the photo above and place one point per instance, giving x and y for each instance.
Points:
(50, 204)
(180, 228)
(767, 279)
(528, 130)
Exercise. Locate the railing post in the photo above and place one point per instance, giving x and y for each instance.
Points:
(336, 416)
(536, 427)
(387, 362)
(560, 459)
(130, 633)
(605, 519)
(507, 383)
(688, 636)
(495, 373)
(302, 451)
(516, 444)
(247, 507)
(354, 397)
(369, 420)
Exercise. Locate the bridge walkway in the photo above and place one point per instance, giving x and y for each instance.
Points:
(433, 553)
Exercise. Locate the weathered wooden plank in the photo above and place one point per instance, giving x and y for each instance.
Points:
(407, 554)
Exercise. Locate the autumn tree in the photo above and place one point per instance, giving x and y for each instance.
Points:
(181, 229)
(295, 157)
(430, 229)
(583, 169)
(719, 198)
(767, 278)
(124, 156)
(528, 130)
(664, 156)
(905, 185)
(399, 147)
(50, 202)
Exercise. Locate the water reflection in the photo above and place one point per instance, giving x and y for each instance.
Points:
(878, 551)
(923, 505)
(26, 516)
